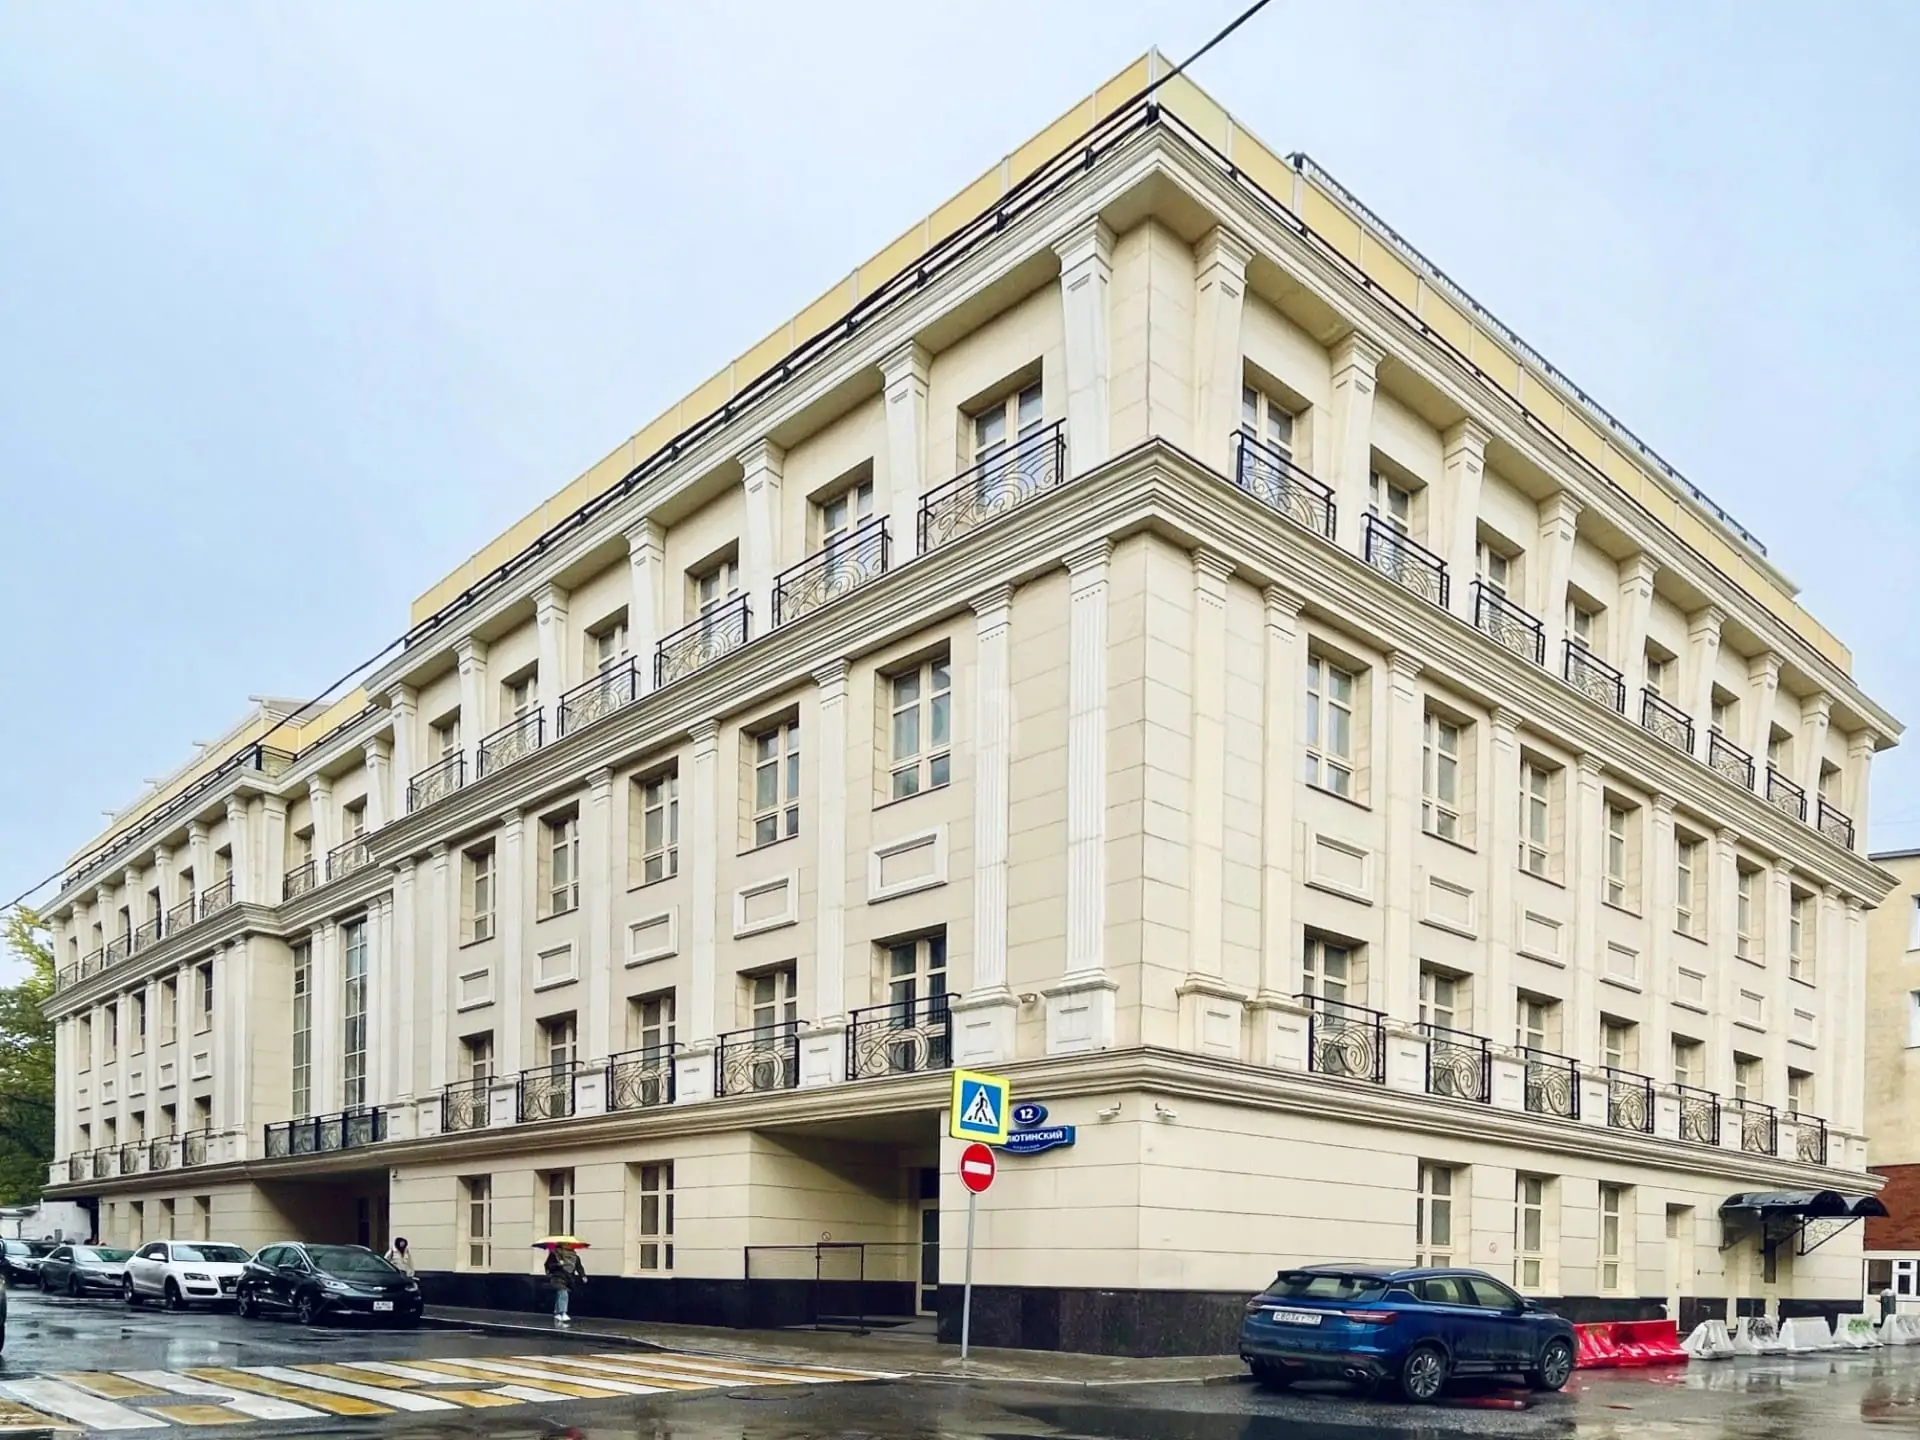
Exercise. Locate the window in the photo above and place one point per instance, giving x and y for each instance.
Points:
(776, 783)
(1686, 1062)
(1618, 819)
(1529, 1230)
(1612, 1207)
(477, 1191)
(140, 1020)
(1390, 502)
(607, 646)
(1433, 1219)
(1689, 898)
(303, 1029)
(478, 865)
(1440, 777)
(660, 827)
(716, 587)
(1017, 418)
(1779, 750)
(1537, 1022)
(517, 696)
(1492, 568)
(656, 1216)
(1745, 914)
(842, 514)
(650, 1021)
(1659, 674)
(916, 975)
(1439, 994)
(1724, 709)
(169, 1011)
(85, 1044)
(1747, 1084)
(446, 737)
(353, 1009)
(1913, 1021)
(113, 1032)
(1536, 811)
(203, 980)
(1823, 787)
(1619, 1044)
(921, 703)
(771, 999)
(353, 820)
(557, 1185)
(559, 1041)
(1327, 969)
(1265, 419)
(560, 859)
(1799, 1092)
(203, 1217)
(476, 1056)
(1329, 732)
(1800, 938)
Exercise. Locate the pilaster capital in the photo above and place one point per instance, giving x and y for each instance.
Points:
(1089, 243)
(762, 461)
(1589, 766)
(1637, 572)
(437, 853)
(1283, 606)
(905, 367)
(319, 788)
(1853, 904)
(1816, 708)
(470, 653)
(1862, 744)
(550, 604)
(706, 736)
(1726, 839)
(1662, 807)
(600, 785)
(274, 807)
(130, 877)
(377, 751)
(1705, 623)
(1223, 250)
(1089, 562)
(161, 854)
(102, 897)
(1560, 513)
(236, 810)
(832, 680)
(1211, 573)
(1505, 724)
(1783, 869)
(1357, 351)
(197, 833)
(512, 823)
(1403, 667)
(993, 608)
(645, 539)
(1466, 438)
(402, 699)
(404, 867)
(1764, 668)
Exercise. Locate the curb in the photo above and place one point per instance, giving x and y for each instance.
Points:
(499, 1327)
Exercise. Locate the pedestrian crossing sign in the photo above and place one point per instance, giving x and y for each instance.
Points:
(981, 1109)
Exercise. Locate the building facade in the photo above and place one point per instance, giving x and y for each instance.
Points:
(1146, 632)
(1893, 1081)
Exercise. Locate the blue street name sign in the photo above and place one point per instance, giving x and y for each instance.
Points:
(1031, 1134)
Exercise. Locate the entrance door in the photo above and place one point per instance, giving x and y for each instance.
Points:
(927, 1290)
(1680, 1263)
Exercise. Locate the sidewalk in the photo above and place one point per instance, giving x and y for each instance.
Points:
(915, 1354)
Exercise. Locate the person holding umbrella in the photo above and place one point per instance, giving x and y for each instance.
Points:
(564, 1271)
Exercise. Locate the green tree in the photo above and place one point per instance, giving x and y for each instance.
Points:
(26, 1062)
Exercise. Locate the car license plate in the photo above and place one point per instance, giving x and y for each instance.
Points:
(383, 1304)
(1295, 1317)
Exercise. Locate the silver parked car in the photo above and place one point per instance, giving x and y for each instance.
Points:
(78, 1270)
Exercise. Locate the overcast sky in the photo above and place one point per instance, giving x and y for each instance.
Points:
(302, 304)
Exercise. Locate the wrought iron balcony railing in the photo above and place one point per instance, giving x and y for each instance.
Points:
(195, 1146)
(764, 1058)
(545, 1092)
(611, 690)
(1550, 1083)
(1727, 759)
(117, 949)
(298, 881)
(1030, 467)
(216, 897)
(1699, 1115)
(1276, 482)
(78, 1167)
(1785, 796)
(1594, 677)
(103, 1163)
(847, 563)
(1629, 1100)
(1835, 826)
(1759, 1127)
(182, 915)
(150, 933)
(466, 1105)
(436, 782)
(1666, 721)
(344, 859)
(723, 629)
(900, 1039)
(131, 1154)
(321, 1134)
(161, 1152)
(1406, 562)
(510, 743)
(641, 1079)
(1459, 1064)
(1809, 1138)
(94, 963)
(1345, 1039)
(1507, 625)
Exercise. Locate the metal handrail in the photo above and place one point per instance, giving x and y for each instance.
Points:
(182, 915)
(1785, 796)
(194, 1145)
(839, 568)
(1022, 470)
(613, 689)
(1405, 561)
(1759, 1127)
(93, 962)
(1664, 720)
(1278, 483)
(1594, 677)
(1699, 1115)
(160, 1153)
(1459, 1063)
(321, 1134)
(466, 1105)
(766, 1057)
(701, 641)
(1727, 759)
(1345, 1039)
(509, 743)
(345, 858)
(131, 1154)
(1550, 1083)
(1629, 1100)
(116, 950)
(437, 781)
(1836, 826)
(1507, 625)
(903, 1038)
(640, 1079)
(1809, 1138)
(545, 1092)
(298, 881)
(216, 897)
(151, 933)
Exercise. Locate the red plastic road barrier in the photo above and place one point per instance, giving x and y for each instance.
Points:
(1597, 1348)
(1648, 1342)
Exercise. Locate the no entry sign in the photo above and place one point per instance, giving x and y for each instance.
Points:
(976, 1168)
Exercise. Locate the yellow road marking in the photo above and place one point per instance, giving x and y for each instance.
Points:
(618, 1371)
(469, 1372)
(477, 1399)
(188, 1413)
(745, 1372)
(14, 1416)
(359, 1377)
(260, 1385)
(107, 1385)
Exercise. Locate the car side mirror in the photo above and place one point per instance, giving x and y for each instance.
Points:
(1531, 1307)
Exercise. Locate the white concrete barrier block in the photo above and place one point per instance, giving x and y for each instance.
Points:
(1806, 1335)
(1855, 1332)
(1757, 1335)
(1709, 1340)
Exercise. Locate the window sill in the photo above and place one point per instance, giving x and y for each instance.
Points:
(1461, 845)
(556, 915)
(1620, 909)
(483, 940)
(1621, 983)
(1543, 879)
(766, 845)
(1688, 935)
(894, 800)
(670, 876)
(1804, 983)
(1336, 795)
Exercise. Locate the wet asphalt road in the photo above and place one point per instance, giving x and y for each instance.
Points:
(1837, 1397)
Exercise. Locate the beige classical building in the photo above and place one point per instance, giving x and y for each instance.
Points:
(1147, 632)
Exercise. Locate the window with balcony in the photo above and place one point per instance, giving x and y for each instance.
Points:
(353, 820)
(1688, 1064)
(1442, 997)
(558, 1041)
(1660, 673)
(656, 839)
(353, 1011)
(1333, 970)
(774, 758)
(1329, 733)
(476, 1056)
(1433, 1227)
(476, 1196)
(559, 864)
(1536, 1022)
(1529, 1230)
(1779, 749)
(303, 1029)
(607, 646)
(1619, 1043)
(1537, 784)
(1391, 503)
(772, 998)
(1725, 713)
(477, 894)
(518, 696)
(444, 741)
(916, 972)
(1746, 913)
(650, 1024)
(1801, 933)
(920, 728)
(557, 1189)
(1748, 1080)
(1689, 886)
(844, 512)
(1440, 785)
(1615, 1235)
(653, 1231)
(1012, 420)
(1265, 419)
(1494, 568)
(1799, 1092)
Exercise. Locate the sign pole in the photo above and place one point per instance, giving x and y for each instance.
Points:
(966, 1293)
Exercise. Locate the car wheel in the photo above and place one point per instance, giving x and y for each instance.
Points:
(1423, 1373)
(307, 1308)
(1267, 1373)
(73, 1285)
(175, 1300)
(1555, 1367)
(245, 1306)
(45, 1288)
(127, 1292)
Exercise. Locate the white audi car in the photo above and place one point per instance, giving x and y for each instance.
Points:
(184, 1272)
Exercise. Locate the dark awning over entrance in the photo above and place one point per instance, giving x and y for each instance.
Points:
(1802, 1205)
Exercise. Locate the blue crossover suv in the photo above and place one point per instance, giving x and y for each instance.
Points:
(1418, 1328)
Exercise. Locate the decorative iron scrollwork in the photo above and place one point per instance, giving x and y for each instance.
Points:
(1028, 468)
